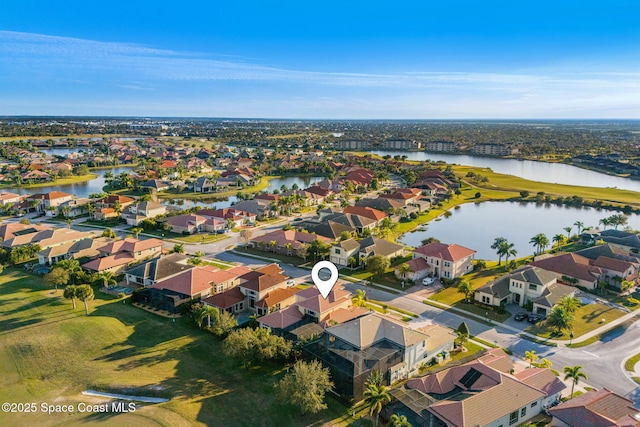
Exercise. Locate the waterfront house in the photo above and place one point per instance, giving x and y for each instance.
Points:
(446, 260)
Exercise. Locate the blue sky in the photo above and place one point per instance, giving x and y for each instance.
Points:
(328, 59)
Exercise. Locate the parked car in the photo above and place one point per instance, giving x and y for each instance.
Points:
(291, 282)
(520, 317)
(534, 318)
(428, 281)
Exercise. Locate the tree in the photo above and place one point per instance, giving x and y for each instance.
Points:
(375, 397)
(136, 231)
(178, 248)
(107, 278)
(497, 246)
(559, 239)
(352, 261)
(604, 222)
(574, 373)
(524, 194)
(203, 311)
(378, 264)
(568, 230)
(375, 378)
(245, 237)
(531, 356)
(404, 269)
(618, 219)
(399, 421)
(569, 303)
(560, 319)
(85, 294)
(466, 288)
(545, 363)
(252, 345)
(508, 250)
(626, 286)
(108, 233)
(305, 386)
(540, 241)
(225, 323)
(579, 225)
(359, 299)
(57, 277)
(345, 235)
(70, 293)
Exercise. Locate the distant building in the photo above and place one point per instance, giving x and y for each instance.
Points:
(493, 150)
(442, 146)
(399, 144)
(352, 144)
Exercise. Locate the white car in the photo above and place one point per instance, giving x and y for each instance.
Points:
(428, 281)
(291, 282)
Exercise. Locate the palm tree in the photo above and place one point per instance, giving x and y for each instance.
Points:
(404, 269)
(509, 250)
(273, 244)
(107, 278)
(178, 248)
(574, 373)
(540, 241)
(85, 294)
(531, 356)
(559, 239)
(136, 231)
(359, 299)
(560, 319)
(399, 421)
(605, 222)
(352, 261)
(497, 245)
(207, 312)
(70, 293)
(545, 363)
(375, 397)
(580, 226)
(465, 287)
(568, 230)
(569, 303)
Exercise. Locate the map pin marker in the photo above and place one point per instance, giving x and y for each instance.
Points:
(324, 286)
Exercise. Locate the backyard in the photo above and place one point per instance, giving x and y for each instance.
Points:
(51, 353)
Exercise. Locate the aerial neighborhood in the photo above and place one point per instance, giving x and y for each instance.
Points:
(216, 242)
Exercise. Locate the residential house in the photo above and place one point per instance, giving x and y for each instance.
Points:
(205, 184)
(113, 201)
(192, 223)
(571, 268)
(359, 176)
(615, 270)
(353, 350)
(361, 250)
(138, 212)
(596, 408)
(482, 392)
(9, 230)
(156, 185)
(45, 238)
(156, 269)
(235, 216)
(9, 198)
(418, 269)
(381, 204)
(36, 176)
(79, 249)
(260, 208)
(367, 212)
(287, 242)
(526, 285)
(116, 256)
(75, 208)
(49, 202)
(445, 260)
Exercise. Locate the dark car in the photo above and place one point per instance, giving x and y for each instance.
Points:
(534, 318)
(520, 317)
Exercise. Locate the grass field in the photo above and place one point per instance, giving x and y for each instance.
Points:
(50, 353)
(190, 195)
(61, 181)
(587, 318)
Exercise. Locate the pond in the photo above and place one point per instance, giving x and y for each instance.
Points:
(477, 225)
(535, 171)
(80, 189)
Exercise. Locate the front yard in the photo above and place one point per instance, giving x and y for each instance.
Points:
(587, 318)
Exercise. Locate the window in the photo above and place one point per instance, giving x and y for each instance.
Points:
(447, 264)
(533, 287)
(337, 251)
(513, 418)
(523, 412)
(534, 404)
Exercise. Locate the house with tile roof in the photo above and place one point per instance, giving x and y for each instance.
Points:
(45, 238)
(527, 284)
(571, 268)
(79, 249)
(49, 202)
(194, 223)
(9, 230)
(371, 213)
(7, 198)
(596, 408)
(354, 349)
(419, 268)
(361, 250)
(151, 271)
(117, 255)
(482, 392)
(616, 270)
(138, 212)
(237, 217)
(287, 242)
(446, 260)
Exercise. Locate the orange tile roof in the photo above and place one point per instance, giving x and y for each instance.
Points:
(104, 263)
(277, 296)
(225, 299)
(448, 252)
(190, 282)
(366, 212)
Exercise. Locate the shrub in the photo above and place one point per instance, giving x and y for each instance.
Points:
(478, 195)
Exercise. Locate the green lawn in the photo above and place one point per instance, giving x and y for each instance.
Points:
(50, 353)
(174, 194)
(266, 254)
(61, 181)
(201, 238)
(630, 364)
(587, 318)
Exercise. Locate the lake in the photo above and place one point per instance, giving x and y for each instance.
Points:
(559, 173)
(477, 225)
(80, 189)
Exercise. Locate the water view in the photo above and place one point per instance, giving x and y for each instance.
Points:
(477, 225)
(559, 173)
